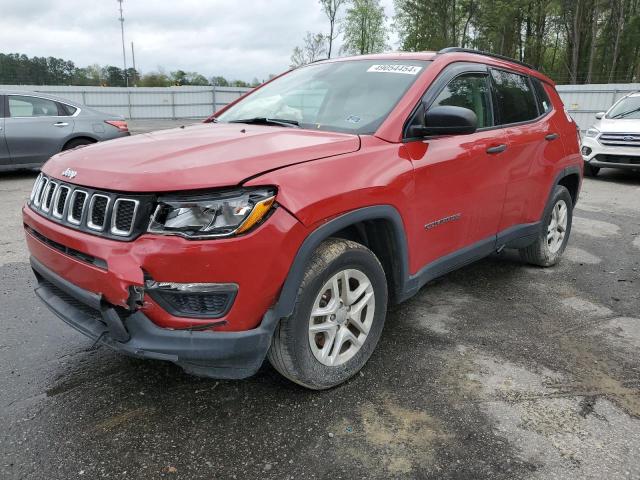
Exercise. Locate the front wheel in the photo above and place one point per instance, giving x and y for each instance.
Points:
(554, 233)
(337, 320)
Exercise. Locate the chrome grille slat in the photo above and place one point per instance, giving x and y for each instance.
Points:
(36, 185)
(37, 200)
(97, 212)
(96, 217)
(76, 206)
(123, 216)
(60, 200)
(47, 197)
(620, 139)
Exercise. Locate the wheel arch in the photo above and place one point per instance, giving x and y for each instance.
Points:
(571, 181)
(380, 228)
(78, 137)
(569, 177)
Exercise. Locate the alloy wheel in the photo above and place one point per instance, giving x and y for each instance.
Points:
(557, 228)
(341, 317)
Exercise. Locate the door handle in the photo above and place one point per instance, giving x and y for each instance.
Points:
(551, 136)
(60, 124)
(497, 149)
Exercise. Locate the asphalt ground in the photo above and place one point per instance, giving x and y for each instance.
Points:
(497, 371)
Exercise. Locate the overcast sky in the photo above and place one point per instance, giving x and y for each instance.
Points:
(236, 39)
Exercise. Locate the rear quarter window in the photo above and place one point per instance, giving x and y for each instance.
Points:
(515, 100)
(544, 104)
(66, 110)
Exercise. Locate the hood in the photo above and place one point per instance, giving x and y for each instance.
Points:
(196, 157)
(618, 125)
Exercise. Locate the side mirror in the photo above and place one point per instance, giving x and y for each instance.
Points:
(600, 115)
(447, 120)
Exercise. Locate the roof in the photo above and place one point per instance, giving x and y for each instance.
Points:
(464, 54)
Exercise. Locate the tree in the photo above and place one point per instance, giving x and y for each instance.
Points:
(155, 79)
(573, 41)
(330, 9)
(364, 28)
(219, 81)
(113, 76)
(314, 48)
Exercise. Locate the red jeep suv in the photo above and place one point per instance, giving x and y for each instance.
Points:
(284, 225)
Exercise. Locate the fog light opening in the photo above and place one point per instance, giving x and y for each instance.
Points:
(194, 299)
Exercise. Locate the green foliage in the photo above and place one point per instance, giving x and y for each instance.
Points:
(573, 41)
(21, 70)
(365, 28)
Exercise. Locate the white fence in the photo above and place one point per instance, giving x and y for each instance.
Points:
(582, 101)
(145, 103)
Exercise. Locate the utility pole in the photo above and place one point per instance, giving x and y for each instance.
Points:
(124, 55)
(133, 59)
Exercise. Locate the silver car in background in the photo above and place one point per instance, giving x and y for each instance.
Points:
(35, 126)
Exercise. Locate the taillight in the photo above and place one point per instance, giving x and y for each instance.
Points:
(119, 124)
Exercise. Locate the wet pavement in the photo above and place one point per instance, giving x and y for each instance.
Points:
(497, 371)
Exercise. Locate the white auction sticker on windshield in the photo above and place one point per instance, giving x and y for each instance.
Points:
(395, 68)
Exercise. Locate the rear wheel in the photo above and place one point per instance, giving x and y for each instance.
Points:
(337, 320)
(591, 171)
(554, 234)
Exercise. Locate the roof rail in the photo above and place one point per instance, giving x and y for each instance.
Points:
(486, 54)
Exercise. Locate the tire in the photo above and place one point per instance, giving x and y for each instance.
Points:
(591, 171)
(76, 142)
(547, 249)
(305, 357)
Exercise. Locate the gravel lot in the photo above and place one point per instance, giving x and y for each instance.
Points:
(497, 371)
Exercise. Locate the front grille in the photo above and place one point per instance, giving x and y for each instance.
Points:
(620, 139)
(629, 160)
(99, 212)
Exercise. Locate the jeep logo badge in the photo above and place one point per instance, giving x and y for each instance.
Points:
(69, 173)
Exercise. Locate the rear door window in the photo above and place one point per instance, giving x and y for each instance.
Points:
(469, 91)
(515, 100)
(20, 106)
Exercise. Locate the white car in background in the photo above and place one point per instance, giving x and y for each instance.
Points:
(613, 141)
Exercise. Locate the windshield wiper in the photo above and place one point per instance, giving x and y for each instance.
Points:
(624, 114)
(283, 122)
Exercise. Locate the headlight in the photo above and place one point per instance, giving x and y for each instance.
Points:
(212, 215)
(592, 132)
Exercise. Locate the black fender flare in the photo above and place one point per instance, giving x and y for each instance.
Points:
(565, 172)
(286, 301)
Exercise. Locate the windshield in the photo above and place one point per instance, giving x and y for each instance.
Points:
(348, 96)
(626, 108)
